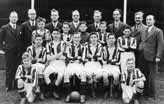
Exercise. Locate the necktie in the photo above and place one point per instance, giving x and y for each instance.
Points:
(33, 24)
(14, 26)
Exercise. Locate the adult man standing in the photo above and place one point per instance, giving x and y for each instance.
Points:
(138, 31)
(97, 16)
(117, 26)
(54, 21)
(10, 35)
(74, 25)
(27, 28)
(151, 46)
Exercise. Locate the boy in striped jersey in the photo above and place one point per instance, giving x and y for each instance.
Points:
(38, 54)
(26, 78)
(132, 83)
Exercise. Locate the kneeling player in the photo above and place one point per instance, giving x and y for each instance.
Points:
(110, 68)
(93, 65)
(75, 75)
(26, 79)
(38, 54)
(132, 83)
(56, 62)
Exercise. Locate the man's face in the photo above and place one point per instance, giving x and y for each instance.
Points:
(93, 38)
(32, 15)
(103, 27)
(38, 41)
(75, 17)
(13, 18)
(150, 20)
(116, 15)
(54, 16)
(138, 19)
(111, 39)
(76, 38)
(130, 65)
(83, 27)
(97, 17)
(41, 25)
(65, 28)
(126, 32)
(56, 35)
(26, 62)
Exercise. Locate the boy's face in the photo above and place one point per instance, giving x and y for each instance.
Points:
(41, 25)
(26, 62)
(111, 39)
(127, 32)
(76, 38)
(56, 35)
(83, 27)
(65, 28)
(93, 38)
(103, 27)
(38, 41)
(130, 65)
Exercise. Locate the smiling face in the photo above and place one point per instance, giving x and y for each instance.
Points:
(13, 17)
(130, 64)
(138, 19)
(83, 27)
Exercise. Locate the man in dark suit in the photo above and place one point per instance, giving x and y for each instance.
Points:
(117, 26)
(54, 21)
(74, 25)
(10, 36)
(27, 28)
(138, 31)
(151, 46)
(97, 16)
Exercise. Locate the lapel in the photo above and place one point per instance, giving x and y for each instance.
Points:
(149, 34)
(13, 35)
(73, 26)
(29, 25)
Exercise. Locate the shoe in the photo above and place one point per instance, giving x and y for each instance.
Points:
(23, 101)
(82, 99)
(67, 100)
(42, 96)
(55, 95)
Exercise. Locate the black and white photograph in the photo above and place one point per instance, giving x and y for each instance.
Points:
(81, 52)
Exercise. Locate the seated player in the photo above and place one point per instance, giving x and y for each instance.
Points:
(102, 34)
(55, 63)
(110, 65)
(93, 64)
(38, 54)
(26, 78)
(126, 46)
(132, 83)
(75, 75)
(42, 31)
(84, 34)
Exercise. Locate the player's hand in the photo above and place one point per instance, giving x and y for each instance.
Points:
(157, 60)
(2, 52)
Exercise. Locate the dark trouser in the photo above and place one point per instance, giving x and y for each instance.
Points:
(12, 62)
(150, 72)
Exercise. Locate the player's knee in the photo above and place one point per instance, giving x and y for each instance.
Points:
(20, 83)
(126, 100)
(140, 86)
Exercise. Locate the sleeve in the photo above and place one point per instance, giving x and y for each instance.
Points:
(160, 43)
(34, 77)
(119, 44)
(134, 43)
(44, 56)
(140, 74)
(123, 77)
(2, 36)
(18, 74)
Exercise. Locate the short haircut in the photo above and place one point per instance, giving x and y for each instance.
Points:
(93, 33)
(127, 27)
(54, 10)
(41, 19)
(103, 22)
(13, 12)
(111, 34)
(119, 10)
(130, 59)
(97, 12)
(26, 55)
(31, 10)
(75, 12)
(83, 22)
(38, 35)
(56, 29)
(66, 23)
(139, 13)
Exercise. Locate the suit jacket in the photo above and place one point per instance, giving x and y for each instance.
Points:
(50, 26)
(11, 38)
(92, 28)
(152, 44)
(72, 28)
(139, 33)
(117, 31)
(26, 37)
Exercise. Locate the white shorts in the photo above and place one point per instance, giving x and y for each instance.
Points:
(111, 69)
